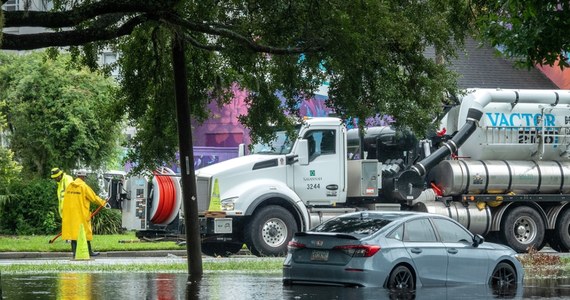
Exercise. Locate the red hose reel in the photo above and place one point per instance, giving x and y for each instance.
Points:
(167, 197)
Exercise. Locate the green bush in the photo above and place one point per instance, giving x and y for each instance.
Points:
(107, 221)
(30, 207)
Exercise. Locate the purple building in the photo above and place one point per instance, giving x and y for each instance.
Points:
(224, 130)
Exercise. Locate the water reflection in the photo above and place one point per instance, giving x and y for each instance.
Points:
(456, 292)
(166, 286)
(74, 286)
(553, 288)
(193, 288)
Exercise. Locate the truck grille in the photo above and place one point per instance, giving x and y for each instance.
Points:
(203, 193)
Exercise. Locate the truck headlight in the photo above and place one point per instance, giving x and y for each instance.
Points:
(228, 204)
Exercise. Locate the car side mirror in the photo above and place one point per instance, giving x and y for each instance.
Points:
(478, 240)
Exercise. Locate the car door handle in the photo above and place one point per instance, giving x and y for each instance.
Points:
(452, 251)
(416, 250)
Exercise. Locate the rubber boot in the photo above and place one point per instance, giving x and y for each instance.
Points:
(91, 253)
(73, 247)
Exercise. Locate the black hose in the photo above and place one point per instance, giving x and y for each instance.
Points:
(410, 184)
(451, 146)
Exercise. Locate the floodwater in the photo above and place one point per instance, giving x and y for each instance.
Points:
(235, 286)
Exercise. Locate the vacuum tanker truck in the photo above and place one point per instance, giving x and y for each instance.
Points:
(499, 164)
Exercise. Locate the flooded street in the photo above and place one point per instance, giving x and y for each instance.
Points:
(236, 286)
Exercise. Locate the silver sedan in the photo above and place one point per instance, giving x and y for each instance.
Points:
(399, 251)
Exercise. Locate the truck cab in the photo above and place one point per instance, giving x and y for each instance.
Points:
(263, 198)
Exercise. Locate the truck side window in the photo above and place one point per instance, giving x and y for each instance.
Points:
(320, 142)
(328, 142)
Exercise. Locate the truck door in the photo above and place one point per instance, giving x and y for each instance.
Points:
(321, 181)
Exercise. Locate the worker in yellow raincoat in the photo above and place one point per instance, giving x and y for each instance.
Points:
(63, 180)
(77, 199)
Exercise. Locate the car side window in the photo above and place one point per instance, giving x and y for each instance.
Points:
(397, 234)
(450, 232)
(419, 230)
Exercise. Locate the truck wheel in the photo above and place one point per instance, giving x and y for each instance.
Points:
(220, 248)
(269, 231)
(523, 228)
(561, 235)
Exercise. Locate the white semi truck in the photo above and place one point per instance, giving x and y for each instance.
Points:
(501, 168)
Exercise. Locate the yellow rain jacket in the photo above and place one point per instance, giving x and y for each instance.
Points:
(78, 197)
(61, 185)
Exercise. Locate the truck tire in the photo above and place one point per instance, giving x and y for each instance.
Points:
(523, 228)
(220, 248)
(269, 231)
(560, 240)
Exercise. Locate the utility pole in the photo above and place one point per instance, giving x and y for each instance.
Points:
(189, 200)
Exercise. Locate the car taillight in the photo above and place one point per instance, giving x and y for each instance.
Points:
(359, 250)
(293, 245)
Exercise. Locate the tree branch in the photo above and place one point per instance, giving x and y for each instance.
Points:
(108, 13)
(197, 44)
(223, 32)
(76, 16)
(68, 38)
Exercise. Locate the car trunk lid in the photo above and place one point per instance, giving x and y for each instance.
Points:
(328, 248)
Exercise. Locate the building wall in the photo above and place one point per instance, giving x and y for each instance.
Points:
(224, 130)
(560, 77)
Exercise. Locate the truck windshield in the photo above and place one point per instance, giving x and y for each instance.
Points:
(280, 145)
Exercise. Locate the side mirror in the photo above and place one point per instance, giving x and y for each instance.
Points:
(478, 240)
(241, 150)
(303, 152)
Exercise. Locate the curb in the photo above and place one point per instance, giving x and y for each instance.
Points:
(48, 255)
(109, 254)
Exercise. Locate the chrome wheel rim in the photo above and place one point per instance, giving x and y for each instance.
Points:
(274, 232)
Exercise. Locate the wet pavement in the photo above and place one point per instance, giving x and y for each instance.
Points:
(218, 284)
(116, 258)
(232, 285)
(133, 258)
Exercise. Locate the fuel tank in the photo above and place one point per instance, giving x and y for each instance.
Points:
(456, 177)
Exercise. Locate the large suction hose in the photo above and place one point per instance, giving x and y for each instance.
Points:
(410, 184)
(451, 146)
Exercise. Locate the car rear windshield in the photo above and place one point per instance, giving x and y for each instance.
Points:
(361, 223)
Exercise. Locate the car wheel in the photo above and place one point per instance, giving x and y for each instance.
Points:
(504, 277)
(522, 228)
(401, 279)
(561, 235)
(220, 248)
(269, 231)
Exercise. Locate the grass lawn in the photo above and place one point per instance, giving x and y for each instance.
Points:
(116, 242)
(261, 265)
